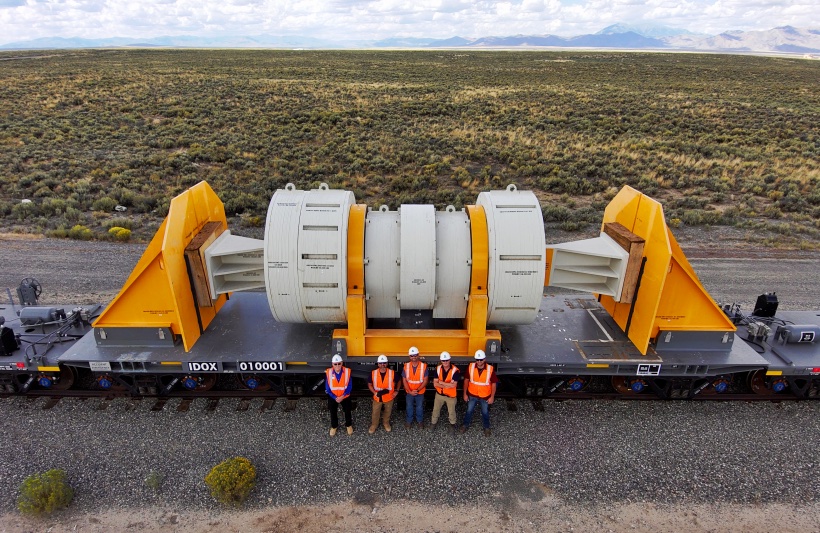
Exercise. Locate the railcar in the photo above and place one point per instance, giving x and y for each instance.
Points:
(623, 314)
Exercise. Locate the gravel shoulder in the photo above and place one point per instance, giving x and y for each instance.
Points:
(584, 466)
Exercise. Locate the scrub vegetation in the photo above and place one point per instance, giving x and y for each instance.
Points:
(42, 494)
(232, 480)
(719, 139)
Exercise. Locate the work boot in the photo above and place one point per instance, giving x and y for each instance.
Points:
(421, 425)
(487, 432)
(350, 430)
(332, 432)
(433, 425)
(407, 425)
(372, 430)
(387, 427)
(462, 429)
(453, 428)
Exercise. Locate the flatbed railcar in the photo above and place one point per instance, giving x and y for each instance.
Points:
(205, 311)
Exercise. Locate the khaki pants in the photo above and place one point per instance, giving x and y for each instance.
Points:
(439, 402)
(383, 410)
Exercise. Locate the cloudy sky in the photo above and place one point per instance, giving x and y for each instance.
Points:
(376, 19)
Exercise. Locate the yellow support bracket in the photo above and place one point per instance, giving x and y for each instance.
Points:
(361, 341)
(159, 291)
(670, 297)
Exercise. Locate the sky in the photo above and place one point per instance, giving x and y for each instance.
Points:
(378, 19)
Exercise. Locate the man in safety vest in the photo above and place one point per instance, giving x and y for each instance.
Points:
(479, 388)
(338, 384)
(414, 379)
(445, 382)
(383, 384)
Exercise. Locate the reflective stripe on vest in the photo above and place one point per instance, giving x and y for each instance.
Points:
(379, 384)
(338, 386)
(447, 379)
(477, 386)
(415, 379)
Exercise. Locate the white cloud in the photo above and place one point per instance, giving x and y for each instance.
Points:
(371, 19)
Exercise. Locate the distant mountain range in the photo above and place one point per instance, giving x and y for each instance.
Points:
(785, 39)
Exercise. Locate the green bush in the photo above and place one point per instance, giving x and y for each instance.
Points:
(45, 493)
(119, 222)
(104, 204)
(60, 233)
(154, 481)
(231, 480)
(120, 234)
(80, 232)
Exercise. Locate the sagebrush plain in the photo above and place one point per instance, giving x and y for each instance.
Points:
(718, 139)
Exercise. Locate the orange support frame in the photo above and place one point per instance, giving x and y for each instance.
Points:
(671, 297)
(158, 293)
(365, 342)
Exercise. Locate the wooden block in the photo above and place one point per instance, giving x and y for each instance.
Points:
(634, 245)
(195, 258)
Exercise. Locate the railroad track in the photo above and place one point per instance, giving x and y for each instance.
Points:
(270, 398)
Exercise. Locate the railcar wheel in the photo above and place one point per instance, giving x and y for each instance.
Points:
(717, 385)
(198, 382)
(109, 382)
(760, 383)
(577, 383)
(629, 386)
(62, 380)
(253, 382)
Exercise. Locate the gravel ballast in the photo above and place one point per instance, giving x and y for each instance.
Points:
(583, 451)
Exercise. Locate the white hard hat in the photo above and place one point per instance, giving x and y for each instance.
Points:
(413, 351)
(336, 359)
(479, 354)
(445, 356)
(382, 359)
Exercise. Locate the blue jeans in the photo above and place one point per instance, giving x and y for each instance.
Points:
(485, 412)
(415, 405)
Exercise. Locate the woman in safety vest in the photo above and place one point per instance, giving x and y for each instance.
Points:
(338, 384)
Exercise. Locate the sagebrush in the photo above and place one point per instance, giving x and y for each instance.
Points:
(231, 480)
(45, 493)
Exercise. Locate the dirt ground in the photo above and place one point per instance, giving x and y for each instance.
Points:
(546, 514)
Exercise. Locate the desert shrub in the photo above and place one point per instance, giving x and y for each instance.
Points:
(104, 204)
(45, 493)
(253, 221)
(231, 480)
(22, 211)
(119, 234)
(555, 213)
(80, 232)
(119, 223)
(60, 233)
(154, 481)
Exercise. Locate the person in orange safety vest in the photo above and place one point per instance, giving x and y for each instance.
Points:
(383, 383)
(445, 382)
(480, 383)
(338, 385)
(414, 380)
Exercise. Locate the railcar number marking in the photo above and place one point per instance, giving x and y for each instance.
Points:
(649, 370)
(261, 366)
(203, 367)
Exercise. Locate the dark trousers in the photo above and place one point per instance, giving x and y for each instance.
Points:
(333, 405)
